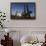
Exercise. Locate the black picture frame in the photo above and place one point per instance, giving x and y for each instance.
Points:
(23, 10)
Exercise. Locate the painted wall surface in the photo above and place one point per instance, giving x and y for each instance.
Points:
(24, 26)
(40, 14)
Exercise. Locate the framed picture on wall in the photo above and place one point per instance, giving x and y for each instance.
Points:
(23, 10)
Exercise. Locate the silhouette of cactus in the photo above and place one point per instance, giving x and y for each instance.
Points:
(26, 11)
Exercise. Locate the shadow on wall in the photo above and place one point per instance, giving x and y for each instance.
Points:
(16, 43)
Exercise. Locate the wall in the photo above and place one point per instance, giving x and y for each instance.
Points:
(25, 26)
(40, 14)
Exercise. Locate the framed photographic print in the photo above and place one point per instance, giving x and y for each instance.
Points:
(23, 10)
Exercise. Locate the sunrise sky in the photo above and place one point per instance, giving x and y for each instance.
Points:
(19, 7)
